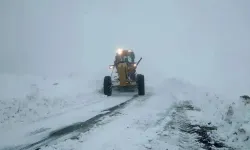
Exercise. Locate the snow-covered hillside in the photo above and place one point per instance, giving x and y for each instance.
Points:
(173, 114)
(29, 98)
(26, 99)
(54, 55)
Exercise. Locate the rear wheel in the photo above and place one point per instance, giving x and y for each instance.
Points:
(107, 86)
(140, 84)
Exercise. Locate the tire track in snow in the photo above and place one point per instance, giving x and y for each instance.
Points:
(182, 134)
(73, 130)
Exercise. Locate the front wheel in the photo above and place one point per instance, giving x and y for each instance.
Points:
(140, 84)
(107, 86)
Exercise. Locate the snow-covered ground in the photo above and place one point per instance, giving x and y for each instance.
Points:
(172, 115)
(31, 104)
(203, 42)
(25, 99)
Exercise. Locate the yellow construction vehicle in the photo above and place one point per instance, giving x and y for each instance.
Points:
(126, 77)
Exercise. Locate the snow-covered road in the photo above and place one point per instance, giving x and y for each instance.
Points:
(172, 115)
(34, 131)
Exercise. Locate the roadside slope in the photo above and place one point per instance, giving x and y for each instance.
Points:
(32, 107)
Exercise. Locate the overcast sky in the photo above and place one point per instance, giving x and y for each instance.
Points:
(205, 42)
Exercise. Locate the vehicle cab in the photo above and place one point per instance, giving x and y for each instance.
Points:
(127, 56)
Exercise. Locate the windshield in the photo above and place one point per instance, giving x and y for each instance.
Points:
(127, 59)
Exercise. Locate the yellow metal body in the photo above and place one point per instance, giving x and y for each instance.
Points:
(122, 71)
(124, 68)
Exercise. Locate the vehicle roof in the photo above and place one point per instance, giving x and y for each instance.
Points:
(126, 51)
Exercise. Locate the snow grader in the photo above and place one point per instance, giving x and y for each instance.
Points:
(124, 74)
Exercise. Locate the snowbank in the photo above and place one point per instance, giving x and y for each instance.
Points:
(25, 99)
(237, 126)
(230, 116)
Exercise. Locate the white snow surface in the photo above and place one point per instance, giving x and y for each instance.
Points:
(26, 99)
(29, 104)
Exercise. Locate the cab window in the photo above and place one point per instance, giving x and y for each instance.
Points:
(128, 58)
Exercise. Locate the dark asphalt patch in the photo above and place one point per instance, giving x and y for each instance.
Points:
(86, 125)
(200, 134)
(204, 137)
(76, 127)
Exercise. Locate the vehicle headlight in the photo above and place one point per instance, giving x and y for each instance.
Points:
(134, 65)
(119, 51)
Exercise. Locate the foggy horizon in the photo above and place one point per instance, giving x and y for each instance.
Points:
(204, 42)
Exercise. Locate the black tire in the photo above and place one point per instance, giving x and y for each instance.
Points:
(107, 86)
(140, 84)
